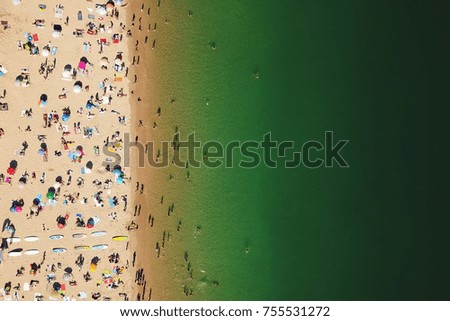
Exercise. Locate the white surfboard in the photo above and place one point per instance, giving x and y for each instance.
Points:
(31, 239)
(100, 247)
(79, 235)
(99, 233)
(32, 252)
(16, 252)
(13, 239)
(56, 237)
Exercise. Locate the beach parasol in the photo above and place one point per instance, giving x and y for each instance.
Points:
(67, 75)
(68, 67)
(58, 179)
(101, 10)
(110, 5)
(77, 87)
(68, 270)
(3, 71)
(16, 2)
(45, 52)
(44, 97)
(104, 61)
(13, 164)
(57, 29)
(18, 80)
(89, 165)
(57, 286)
(90, 223)
(62, 221)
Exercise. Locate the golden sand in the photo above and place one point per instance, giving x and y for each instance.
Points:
(111, 279)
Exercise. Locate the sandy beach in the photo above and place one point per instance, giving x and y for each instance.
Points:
(67, 212)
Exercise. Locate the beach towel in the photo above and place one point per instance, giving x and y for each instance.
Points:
(59, 11)
(35, 37)
(80, 15)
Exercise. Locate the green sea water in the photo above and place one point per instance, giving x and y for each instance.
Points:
(374, 73)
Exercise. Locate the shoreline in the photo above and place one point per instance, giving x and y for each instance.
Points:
(153, 284)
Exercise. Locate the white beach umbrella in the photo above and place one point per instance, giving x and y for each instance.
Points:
(45, 52)
(101, 11)
(77, 89)
(66, 74)
(104, 61)
(16, 2)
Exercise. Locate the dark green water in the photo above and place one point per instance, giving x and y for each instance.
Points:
(375, 73)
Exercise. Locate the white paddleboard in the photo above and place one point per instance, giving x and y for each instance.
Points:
(59, 250)
(16, 252)
(99, 233)
(13, 239)
(56, 237)
(32, 252)
(31, 239)
(100, 247)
